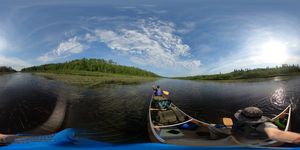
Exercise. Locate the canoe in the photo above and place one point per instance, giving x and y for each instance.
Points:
(170, 125)
(68, 140)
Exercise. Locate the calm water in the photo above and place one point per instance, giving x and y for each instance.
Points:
(118, 114)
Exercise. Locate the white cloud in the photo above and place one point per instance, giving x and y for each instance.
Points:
(71, 46)
(13, 62)
(64, 49)
(90, 38)
(149, 42)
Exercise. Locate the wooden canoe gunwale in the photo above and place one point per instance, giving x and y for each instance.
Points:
(289, 109)
(172, 125)
(151, 125)
(287, 128)
(267, 142)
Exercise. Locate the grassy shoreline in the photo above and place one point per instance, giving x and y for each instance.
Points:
(284, 70)
(94, 79)
(212, 78)
(3, 73)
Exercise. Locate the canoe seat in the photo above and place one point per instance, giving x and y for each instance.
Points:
(167, 117)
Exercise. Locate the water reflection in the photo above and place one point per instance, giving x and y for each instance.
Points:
(118, 114)
(278, 98)
(31, 104)
(277, 79)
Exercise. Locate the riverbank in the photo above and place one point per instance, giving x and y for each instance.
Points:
(284, 70)
(3, 73)
(94, 79)
(232, 78)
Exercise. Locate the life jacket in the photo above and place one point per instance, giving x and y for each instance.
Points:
(158, 92)
(249, 130)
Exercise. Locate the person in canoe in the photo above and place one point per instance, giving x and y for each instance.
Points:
(251, 123)
(157, 90)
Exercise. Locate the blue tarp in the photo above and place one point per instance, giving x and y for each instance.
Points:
(65, 140)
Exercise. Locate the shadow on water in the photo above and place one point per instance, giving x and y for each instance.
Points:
(115, 114)
(30, 104)
(118, 114)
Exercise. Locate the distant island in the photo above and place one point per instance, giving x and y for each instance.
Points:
(92, 72)
(5, 69)
(250, 73)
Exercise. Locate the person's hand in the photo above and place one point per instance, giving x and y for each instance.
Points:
(2, 139)
(297, 140)
(7, 139)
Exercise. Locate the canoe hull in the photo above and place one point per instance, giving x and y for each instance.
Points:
(155, 131)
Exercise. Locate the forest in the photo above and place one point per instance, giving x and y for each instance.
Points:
(250, 73)
(90, 65)
(6, 69)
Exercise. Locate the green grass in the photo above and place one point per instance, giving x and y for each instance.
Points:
(93, 79)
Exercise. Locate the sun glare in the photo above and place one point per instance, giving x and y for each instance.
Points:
(273, 52)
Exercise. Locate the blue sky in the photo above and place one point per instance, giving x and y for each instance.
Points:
(168, 37)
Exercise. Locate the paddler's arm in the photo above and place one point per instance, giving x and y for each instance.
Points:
(283, 136)
(2, 138)
(6, 139)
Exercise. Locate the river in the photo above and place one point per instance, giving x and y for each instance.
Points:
(118, 113)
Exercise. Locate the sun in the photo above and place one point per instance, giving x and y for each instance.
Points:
(274, 52)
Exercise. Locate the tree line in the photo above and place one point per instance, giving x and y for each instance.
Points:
(95, 65)
(6, 69)
(250, 73)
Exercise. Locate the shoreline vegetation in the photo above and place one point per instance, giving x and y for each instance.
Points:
(92, 73)
(99, 72)
(5, 69)
(284, 70)
(93, 79)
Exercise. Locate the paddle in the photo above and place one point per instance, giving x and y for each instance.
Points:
(167, 93)
(227, 122)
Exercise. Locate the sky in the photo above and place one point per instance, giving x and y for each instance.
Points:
(168, 37)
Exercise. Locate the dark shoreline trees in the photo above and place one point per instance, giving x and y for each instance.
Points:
(94, 65)
(4, 69)
(250, 73)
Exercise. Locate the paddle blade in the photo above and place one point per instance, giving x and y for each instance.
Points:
(227, 122)
(166, 93)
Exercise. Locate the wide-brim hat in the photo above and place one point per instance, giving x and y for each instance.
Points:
(251, 115)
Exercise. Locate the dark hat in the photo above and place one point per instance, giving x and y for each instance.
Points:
(250, 115)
